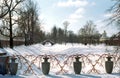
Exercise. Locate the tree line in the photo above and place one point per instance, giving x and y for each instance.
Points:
(87, 34)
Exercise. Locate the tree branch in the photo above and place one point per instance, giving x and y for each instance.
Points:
(16, 4)
(1, 32)
(5, 28)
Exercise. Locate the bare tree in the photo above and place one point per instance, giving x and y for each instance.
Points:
(29, 22)
(88, 29)
(88, 32)
(115, 13)
(8, 8)
(3, 9)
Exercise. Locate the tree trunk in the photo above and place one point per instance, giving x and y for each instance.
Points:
(0, 44)
(10, 23)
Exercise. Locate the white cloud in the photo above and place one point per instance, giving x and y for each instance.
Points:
(75, 3)
(107, 15)
(80, 10)
(79, 6)
(77, 15)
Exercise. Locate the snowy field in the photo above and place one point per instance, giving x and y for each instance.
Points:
(62, 58)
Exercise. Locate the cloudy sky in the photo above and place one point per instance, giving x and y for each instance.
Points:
(77, 12)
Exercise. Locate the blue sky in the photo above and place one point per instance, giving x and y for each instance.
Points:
(77, 12)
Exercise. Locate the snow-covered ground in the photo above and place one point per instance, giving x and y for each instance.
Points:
(62, 58)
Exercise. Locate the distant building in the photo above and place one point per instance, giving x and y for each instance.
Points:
(117, 36)
(115, 39)
(4, 41)
(104, 37)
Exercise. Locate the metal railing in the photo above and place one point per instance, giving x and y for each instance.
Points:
(63, 63)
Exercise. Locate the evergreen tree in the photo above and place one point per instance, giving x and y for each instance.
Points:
(54, 33)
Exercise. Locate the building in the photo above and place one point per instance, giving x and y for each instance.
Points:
(104, 37)
(4, 41)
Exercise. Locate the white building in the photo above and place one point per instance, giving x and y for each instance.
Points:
(104, 37)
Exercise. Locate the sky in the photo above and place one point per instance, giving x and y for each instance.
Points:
(76, 12)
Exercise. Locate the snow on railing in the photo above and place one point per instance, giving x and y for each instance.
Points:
(63, 63)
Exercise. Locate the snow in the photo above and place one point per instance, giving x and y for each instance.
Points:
(61, 55)
(65, 76)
